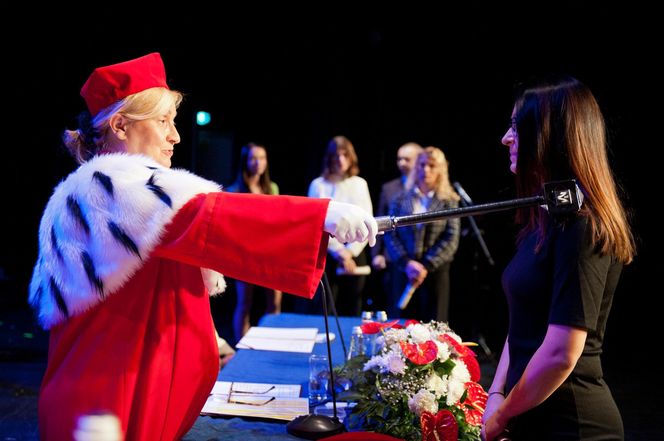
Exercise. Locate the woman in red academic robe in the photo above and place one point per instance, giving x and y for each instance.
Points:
(129, 252)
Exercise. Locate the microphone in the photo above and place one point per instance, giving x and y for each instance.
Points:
(559, 197)
(462, 193)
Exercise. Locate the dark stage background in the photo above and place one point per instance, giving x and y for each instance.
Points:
(439, 77)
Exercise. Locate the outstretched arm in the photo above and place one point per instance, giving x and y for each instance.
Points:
(274, 241)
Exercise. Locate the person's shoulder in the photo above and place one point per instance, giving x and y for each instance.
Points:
(107, 170)
(357, 180)
(393, 184)
(393, 187)
(452, 203)
(403, 194)
(576, 225)
(571, 231)
(122, 162)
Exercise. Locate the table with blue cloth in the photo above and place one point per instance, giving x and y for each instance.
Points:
(271, 367)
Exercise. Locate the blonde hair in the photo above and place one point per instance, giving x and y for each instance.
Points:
(91, 136)
(443, 188)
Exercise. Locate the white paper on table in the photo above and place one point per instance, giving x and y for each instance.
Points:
(241, 388)
(285, 403)
(265, 338)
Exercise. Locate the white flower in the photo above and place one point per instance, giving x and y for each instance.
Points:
(423, 401)
(436, 385)
(456, 385)
(393, 336)
(419, 333)
(443, 350)
(455, 390)
(375, 361)
(394, 364)
(460, 372)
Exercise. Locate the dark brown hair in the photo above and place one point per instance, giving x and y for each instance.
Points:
(561, 135)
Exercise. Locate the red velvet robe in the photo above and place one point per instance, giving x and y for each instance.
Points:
(147, 353)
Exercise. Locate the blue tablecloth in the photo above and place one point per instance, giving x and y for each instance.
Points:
(271, 367)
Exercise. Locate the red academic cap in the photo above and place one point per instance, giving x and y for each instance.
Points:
(109, 84)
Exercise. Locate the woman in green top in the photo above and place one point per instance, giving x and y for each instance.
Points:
(253, 177)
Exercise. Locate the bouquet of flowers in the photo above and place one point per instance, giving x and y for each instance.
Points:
(421, 384)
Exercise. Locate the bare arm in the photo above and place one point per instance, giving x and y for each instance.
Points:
(551, 364)
(497, 389)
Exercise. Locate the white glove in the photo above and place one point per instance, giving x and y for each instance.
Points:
(98, 428)
(350, 223)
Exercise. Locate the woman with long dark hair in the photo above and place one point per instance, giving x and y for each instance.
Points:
(253, 177)
(560, 283)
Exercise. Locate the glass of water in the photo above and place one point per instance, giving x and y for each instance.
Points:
(319, 378)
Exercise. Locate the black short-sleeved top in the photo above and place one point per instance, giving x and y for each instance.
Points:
(567, 282)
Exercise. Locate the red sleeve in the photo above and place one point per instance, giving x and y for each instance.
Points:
(273, 241)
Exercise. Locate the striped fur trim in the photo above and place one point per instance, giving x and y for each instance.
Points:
(100, 225)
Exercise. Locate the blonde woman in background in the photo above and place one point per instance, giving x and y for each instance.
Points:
(422, 254)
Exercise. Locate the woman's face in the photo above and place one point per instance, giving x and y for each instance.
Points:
(428, 172)
(257, 161)
(340, 162)
(154, 137)
(511, 140)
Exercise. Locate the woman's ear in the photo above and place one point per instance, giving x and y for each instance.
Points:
(118, 124)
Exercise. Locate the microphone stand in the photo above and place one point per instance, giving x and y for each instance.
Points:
(559, 198)
(320, 426)
(478, 235)
(326, 286)
(389, 223)
(488, 353)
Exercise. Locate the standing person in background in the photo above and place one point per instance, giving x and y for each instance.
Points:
(253, 177)
(423, 253)
(128, 253)
(339, 181)
(560, 284)
(406, 157)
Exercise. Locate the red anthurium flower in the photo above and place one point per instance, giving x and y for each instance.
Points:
(411, 322)
(439, 427)
(474, 404)
(473, 367)
(397, 326)
(375, 327)
(422, 353)
(460, 348)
